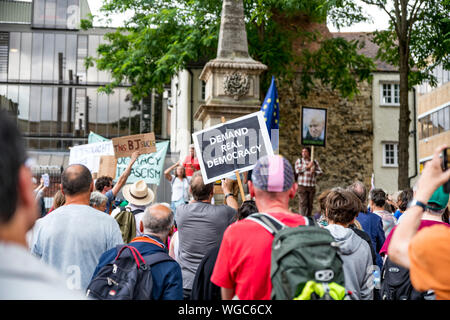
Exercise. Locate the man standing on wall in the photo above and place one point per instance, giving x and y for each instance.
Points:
(306, 171)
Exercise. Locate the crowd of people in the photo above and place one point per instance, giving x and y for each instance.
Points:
(212, 251)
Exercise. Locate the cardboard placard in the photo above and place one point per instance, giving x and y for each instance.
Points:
(107, 166)
(125, 146)
(232, 146)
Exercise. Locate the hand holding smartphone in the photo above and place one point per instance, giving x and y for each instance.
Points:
(446, 166)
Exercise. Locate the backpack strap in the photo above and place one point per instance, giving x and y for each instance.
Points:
(270, 223)
(157, 257)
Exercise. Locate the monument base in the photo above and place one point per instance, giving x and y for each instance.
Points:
(211, 114)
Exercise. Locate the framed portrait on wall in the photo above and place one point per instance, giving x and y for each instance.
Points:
(314, 126)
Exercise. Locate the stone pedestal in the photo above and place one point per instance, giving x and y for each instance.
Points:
(232, 79)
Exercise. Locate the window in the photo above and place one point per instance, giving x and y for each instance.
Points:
(390, 94)
(52, 14)
(203, 94)
(390, 154)
(4, 40)
(435, 123)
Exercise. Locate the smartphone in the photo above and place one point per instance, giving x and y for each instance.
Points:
(46, 180)
(446, 166)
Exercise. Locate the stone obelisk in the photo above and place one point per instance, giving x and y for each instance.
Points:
(232, 78)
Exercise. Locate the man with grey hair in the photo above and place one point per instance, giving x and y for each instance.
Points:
(156, 226)
(98, 201)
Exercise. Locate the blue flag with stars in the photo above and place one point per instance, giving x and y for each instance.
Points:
(271, 111)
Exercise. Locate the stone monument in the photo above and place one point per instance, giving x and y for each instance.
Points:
(232, 78)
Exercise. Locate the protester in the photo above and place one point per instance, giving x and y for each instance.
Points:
(155, 227)
(190, 162)
(58, 200)
(377, 201)
(203, 289)
(426, 252)
(139, 196)
(104, 184)
(242, 268)
(433, 213)
(200, 228)
(22, 276)
(307, 172)
(342, 207)
(39, 194)
(74, 236)
(179, 184)
(370, 222)
(98, 201)
(404, 198)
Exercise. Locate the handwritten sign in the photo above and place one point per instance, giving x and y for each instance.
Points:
(107, 166)
(232, 146)
(148, 167)
(89, 154)
(125, 146)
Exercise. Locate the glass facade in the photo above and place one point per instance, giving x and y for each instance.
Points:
(53, 96)
(56, 14)
(434, 123)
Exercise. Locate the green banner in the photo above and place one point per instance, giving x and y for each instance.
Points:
(148, 167)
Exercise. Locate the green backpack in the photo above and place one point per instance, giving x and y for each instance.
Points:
(305, 263)
(127, 225)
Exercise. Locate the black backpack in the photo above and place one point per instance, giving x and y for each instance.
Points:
(128, 277)
(396, 285)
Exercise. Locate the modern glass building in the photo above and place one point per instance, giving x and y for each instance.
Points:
(47, 86)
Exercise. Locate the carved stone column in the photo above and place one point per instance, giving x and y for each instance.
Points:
(232, 79)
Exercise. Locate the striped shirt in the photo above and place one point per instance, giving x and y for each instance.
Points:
(306, 178)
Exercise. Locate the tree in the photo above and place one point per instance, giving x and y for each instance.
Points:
(164, 36)
(416, 41)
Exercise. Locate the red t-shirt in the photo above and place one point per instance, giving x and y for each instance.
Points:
(187, 165)
(244, 257)
(423, 224)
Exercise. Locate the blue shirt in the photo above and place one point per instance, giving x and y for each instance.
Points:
(110, 195)
(166, 275)
(398, 214)
(373, 226)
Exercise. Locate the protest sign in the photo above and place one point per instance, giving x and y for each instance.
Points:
(89, 154)
(93, 137)
(314, 126)
(148, 167)
(232, 146)
(125, 146)
(107, 166)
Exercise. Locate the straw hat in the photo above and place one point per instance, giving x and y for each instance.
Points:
(138, 193)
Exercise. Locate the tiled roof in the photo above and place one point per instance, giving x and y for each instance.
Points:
(370, 49)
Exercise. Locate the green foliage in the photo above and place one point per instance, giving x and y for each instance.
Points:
(427, 38)
(165, 36)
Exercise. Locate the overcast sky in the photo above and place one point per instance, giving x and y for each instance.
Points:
(380, 18)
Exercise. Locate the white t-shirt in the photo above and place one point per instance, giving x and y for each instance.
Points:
(23, 276)
(180, 189)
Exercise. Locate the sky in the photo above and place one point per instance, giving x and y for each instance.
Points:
(380, 19)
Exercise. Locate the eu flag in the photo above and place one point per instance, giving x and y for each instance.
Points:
(271, 110)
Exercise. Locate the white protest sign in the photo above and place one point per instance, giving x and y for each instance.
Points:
(89, 154)
(235, 145)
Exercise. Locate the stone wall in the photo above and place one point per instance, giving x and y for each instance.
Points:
(348, 152)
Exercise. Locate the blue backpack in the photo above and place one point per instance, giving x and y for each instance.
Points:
(128, 277)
